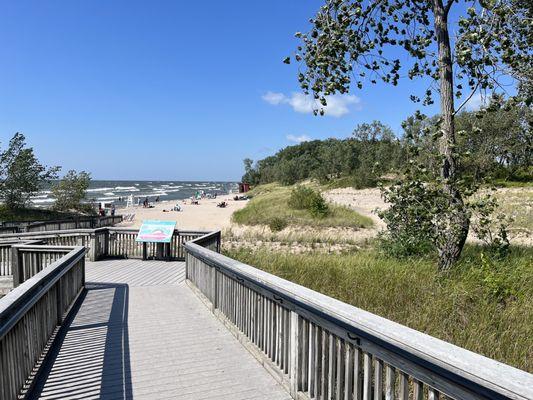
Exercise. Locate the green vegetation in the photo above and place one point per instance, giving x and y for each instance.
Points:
(352, 43)
(70, 191)
(359, 160)
(21, 174)
(32, 214)
(485, 304)
(271, 202)
(306, 198)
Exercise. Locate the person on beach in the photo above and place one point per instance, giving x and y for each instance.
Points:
(112, 210)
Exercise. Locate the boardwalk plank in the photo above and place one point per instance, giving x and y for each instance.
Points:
(141, 333)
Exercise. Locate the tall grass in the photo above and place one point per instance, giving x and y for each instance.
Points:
(271, 201)
(485, 304)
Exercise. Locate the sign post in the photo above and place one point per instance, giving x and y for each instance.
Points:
(159, 232)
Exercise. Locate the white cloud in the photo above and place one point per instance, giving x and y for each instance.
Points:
(337, 105)
(273, 98)
(298, 139)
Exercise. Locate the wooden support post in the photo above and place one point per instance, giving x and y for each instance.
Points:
(17, 266)
(92, 249)
(59, 302)
(294, 346)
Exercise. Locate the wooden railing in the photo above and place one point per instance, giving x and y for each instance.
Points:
(321, 348)
(90, 222)
(76, 223)
(100, 243)
(27, 260)
(122, 242)
(30, 316)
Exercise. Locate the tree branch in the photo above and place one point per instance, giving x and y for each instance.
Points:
(448, 6)
(467, 99)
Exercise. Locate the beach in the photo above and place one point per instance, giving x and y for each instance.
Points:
(202, 216)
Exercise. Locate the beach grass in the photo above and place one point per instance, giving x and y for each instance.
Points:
(271, 201)
(485, 304)
(32, 214)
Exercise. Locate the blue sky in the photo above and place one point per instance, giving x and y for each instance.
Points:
(166, 89)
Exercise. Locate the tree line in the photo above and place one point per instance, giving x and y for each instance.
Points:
(494, 144)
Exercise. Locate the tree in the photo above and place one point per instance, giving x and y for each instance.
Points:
(21, 174)
(352, 41)
(71, 190)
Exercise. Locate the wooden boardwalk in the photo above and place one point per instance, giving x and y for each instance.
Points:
(141, 333)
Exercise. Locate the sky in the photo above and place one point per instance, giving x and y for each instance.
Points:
(168, 90)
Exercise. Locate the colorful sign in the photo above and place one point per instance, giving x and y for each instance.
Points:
(156, 231)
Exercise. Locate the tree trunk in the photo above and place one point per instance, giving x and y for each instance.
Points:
(457, 220)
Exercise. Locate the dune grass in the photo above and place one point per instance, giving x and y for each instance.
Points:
(271, 201)
(32, 214)
(484, 305)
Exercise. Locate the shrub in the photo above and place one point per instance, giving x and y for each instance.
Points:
(319, 207)
(305, 198)
(301, 197)
(277, 224)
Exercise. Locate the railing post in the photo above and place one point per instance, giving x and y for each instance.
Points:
(294, 344)
(92, 249)
(17, 266)
(186, 264)
(59, 302)
(106, 242)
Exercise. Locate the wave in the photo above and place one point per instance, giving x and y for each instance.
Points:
(126, 189)
(42, 201)
(105, 189)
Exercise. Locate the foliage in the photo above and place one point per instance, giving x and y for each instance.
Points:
(371, 151)
(496, 142)
(306, 198)
(71, 190)
(277, 224)
(272, 201)
(354, 43)
(485, 304)
(351, 41)
(31, 214)
(490, 227)
(21, 174)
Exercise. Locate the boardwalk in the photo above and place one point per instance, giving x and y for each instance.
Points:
(141, 333)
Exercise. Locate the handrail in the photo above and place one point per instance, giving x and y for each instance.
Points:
(15, 304)
(31, 316)
(428, 363)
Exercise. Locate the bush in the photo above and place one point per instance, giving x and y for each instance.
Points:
(305, 198)
(319, 208)
(301, 198)
(277, 224)
(363, 179)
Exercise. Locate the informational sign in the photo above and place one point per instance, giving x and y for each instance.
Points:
(156, 231)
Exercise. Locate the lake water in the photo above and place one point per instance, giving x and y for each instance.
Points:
(119, 191)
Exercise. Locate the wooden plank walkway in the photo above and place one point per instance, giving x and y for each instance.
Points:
(141, 333)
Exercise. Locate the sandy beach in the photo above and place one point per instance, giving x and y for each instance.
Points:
(203, 216)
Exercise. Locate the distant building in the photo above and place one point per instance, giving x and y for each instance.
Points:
(244, 187)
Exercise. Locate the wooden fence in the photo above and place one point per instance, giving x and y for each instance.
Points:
(100, 243)
(321, 348)
(30, 316)
(63, 224)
